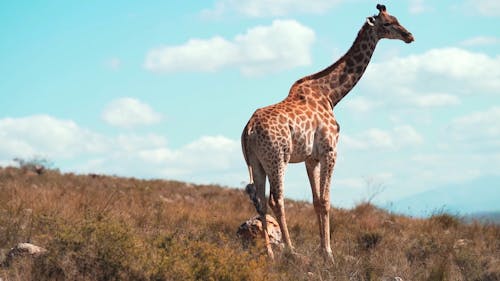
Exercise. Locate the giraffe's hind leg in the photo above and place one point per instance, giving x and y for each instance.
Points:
(257, 193)
(277, 200)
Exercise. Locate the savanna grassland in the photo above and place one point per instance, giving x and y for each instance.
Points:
(108, 228)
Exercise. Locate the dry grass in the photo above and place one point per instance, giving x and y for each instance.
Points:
(106, 228)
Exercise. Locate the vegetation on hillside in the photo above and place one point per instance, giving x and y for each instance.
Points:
(107, 228)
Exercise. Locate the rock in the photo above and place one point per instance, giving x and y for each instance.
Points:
(397, 278)
(23, 250)
(39, 169)
(350, 259)
(461, 243)
(251, 230)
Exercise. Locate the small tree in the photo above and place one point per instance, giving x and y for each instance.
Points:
(373, 189)
(36, 164)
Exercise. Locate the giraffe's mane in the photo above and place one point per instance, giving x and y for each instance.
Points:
(330, 68)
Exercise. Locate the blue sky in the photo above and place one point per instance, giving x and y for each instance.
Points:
(160, 89)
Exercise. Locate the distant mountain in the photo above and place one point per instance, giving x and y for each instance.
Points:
(488, 217)
(481, 195)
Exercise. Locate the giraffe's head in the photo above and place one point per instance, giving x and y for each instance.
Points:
(387, 26)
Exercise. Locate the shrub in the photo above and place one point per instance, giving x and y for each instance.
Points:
(193, 259)
(369, 240)
(101, 249)
(445, 220)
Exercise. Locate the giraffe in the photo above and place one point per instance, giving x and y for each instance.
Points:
(303, 128)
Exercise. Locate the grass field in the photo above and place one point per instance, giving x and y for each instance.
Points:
(107, 228)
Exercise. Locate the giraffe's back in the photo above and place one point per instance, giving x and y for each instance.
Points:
(287, 129)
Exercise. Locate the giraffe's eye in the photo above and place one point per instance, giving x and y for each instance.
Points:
(386, 24)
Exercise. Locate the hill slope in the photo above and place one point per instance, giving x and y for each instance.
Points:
(108, 228)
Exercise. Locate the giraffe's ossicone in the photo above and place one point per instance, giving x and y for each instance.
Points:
(303, 128)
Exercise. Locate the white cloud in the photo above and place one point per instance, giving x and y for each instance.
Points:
(488, 117)
(207, 159)
(283, 45)
(434, 100)
(483, 7)
(129, 112)
(373, 138)
(210, 153)
(478, 129)
(264, 8)
(437, 64)
(449, 73)
(407, 136)
(481, 41)
(361, 104)
(468, 147)
(378, 138)
(202, 160)
(197, 54)
(46, 136)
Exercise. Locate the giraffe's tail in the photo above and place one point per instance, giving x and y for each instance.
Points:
(250, 188)
(244, 148)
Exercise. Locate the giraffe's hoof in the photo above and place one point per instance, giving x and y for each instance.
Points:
(292, 255)
(328, 258)
(270, 253)
(303, 259)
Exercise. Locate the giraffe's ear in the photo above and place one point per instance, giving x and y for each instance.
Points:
(381, 8)
(370, 21)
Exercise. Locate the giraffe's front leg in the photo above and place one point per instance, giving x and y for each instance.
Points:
(313, 173)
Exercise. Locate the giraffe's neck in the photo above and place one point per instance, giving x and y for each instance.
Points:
(339, 78)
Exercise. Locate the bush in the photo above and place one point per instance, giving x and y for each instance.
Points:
(182, 258)
(92, 250)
